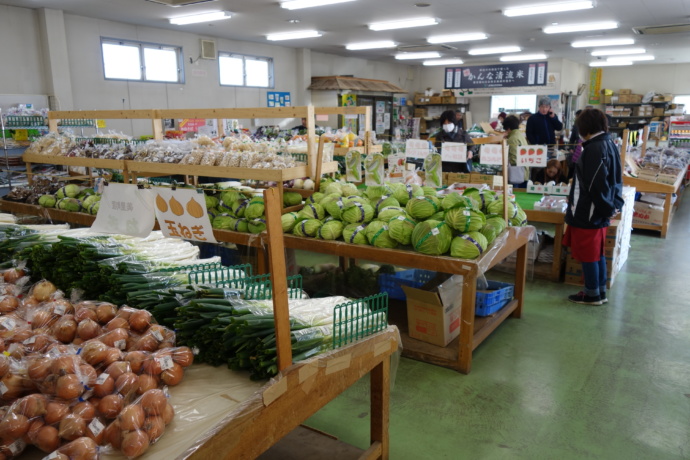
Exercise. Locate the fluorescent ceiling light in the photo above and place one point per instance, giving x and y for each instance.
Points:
(495, 50)
(523, 57)
(457, 38)
(403, 24)
(618, 51)
(297, 4)
(639, 57)
(609, 64)
(370, 45)
(294, 35)
(602, 42)
(547, 8)
(424, 55)
(204, 17)
(443, 62)
(566, 28)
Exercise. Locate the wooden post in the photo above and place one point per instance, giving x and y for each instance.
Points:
(311, 137)
(380, 396)
(319, 163)
(276, 252)
(157, 126)
(53, 125)
(624, 146)
(520, 277)
(467, 311)
(221, 128)
(645, 138)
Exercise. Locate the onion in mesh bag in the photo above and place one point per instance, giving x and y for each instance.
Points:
(357, 212)
(288, 221)
(384, 202)
(354, 233)
(520, 219)
(468, 245)
(307, 227)
(422, 207)
(489, 232)
(390, 212)
(496, 207)
(454, 200)
(331, 230)
(432, 237)
(465, 219)
(312, 211)
(400, 229)
(255, 208)
(377, 235)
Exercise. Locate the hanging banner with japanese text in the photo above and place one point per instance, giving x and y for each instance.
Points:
(126, 210)
(181, 213)
(496, 76)
(533, 156)
(595, 85)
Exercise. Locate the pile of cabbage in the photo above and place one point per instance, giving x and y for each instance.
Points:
(394, 216)
(72, 198)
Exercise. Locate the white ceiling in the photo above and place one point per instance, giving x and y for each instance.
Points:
(346, 23)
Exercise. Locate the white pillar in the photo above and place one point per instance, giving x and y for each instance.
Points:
(303, 77)
(56, 57)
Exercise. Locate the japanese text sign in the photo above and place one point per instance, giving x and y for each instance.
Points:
(532, 156)
(496, 76)
(454, 152)
(491, 154)
(125, 209)
(416, 148)
(181, 213)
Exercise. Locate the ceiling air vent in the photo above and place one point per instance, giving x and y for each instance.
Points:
(423, 48)
(662, 30)
(208, 49)
(176, 3)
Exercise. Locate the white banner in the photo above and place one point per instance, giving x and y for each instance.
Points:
(125, 209)
(454, 152)
(533, 156)
(181, 213)
(491, 154)
(416, 148)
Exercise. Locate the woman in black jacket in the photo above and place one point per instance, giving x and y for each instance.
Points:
(452, 132)
(595, 196)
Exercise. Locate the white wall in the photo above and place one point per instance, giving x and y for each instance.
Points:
(664, 78)
(21, 71)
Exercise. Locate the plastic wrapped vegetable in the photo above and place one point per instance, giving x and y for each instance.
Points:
(354, 233)
(400, 229)
(520, 219)
(465, 220)
(423, 207)
(353, 166)
(47, 201)
(255, 208)
(384, 202)
(311, 211)
(434, 172)
(468, 245)
(88, 201)
(307, 227)
(374, 168)
(335, 208)
(496, 207)
(239, 208)
(257, 225)
(69, 204)
(454, 199)
(489, 232)
(432, 237)
(316, 197)
(291, 199)
(377, 235)
(389, 212)
(93, 209)
(497, 222)
(288, 221)
(331, 230)
(355, 212)
(68, 191)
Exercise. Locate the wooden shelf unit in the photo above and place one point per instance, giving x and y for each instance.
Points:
(558, 220)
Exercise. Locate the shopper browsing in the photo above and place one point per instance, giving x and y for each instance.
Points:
(552, 173)
(451, 132)
(517, 175)
(542, 126)
(595, 197)
(497, 125)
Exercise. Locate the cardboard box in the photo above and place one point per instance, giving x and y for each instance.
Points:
(446, 92)
(636, 98)
(625, 91)
(448, 99)
(647, 214)
(435, 100)
(657, 199)
(434, 316)
(658, 112)
(658, 99)
(420, 112)
(668, 97)
(623, 98)
(607, 99)
(421, 99)
(458, 178)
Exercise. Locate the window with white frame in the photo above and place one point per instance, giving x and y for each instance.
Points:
(683, 99)
(131, 60)
(244, 70)
(513, 104)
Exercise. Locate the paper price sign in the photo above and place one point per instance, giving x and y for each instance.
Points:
(124, 209)
(533, 156)
(181, 213)
(491, 154)
(416, 148)
(454, 152)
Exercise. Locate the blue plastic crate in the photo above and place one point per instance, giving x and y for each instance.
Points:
(392, 283)
(487, 303)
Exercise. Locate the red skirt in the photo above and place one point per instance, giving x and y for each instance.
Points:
(586, 244)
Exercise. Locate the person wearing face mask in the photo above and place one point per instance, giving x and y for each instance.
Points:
(542, 126)
(452, 132)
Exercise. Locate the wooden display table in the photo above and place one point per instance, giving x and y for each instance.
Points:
(558, 220)
(645, 186)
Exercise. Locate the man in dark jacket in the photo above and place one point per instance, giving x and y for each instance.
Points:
(596, 195)
(542, 126)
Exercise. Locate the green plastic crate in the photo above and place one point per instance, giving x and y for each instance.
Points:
(360, 318)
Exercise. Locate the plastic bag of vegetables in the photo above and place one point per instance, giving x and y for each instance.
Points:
(432, 237)
(465, 220)
(434, 171)
(400, 229)
(354, 212)
(422, 207)
(312, 211)
(377, 235)
(389, 212)
(468, 245)
(354, 234)
(331, 230)
(288, 221)
(454, 200)
(353, 166)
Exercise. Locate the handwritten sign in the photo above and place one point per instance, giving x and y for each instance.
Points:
(533, 156)
(416, 148)
(491, 154)
(181, 213)
(125, 209)
(454, 152)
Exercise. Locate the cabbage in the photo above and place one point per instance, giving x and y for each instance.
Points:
(403, 192)
(473, 194)
(377, 235)
(496, 222)
(356, 199)
(354, 233)
(255, 208)
(334, 208)
(334, 187)
(349, 189)
(257, 225)
(288, 221)
(224, 222)
(431, 237)
(469, 245)
(240, 225)
(291, 199)
(331, 230)
(496, 207)
(354, 212)
(384, 202)
(520, 219)
(68, 191)
(429, 191)
(465, 220)
(325, 182)
(231, 196)
(311, 211)
(454, 199)
(69, 204)
(316, 197)
(47, 201)
(422, 207)
(238, 208)
(389, 212)
(93, 209)
(329, 199)
(441, 215)
(486, 196)
(88, 201)
(86, 193)
(211, 201)
(375, 192)
(308, 227)
(400, 229)
(489, 232)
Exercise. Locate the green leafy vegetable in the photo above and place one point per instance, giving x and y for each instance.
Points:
(431, 237)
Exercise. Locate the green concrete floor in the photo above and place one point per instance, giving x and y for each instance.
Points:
(564, 382)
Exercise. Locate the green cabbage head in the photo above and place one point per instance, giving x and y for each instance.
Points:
(400, 229)
(377, 234)
(468, 245)
(331, 230)
(432, 237)
(354, 234)
(422, 207)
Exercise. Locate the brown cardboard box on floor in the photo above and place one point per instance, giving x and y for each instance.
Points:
(429, 318)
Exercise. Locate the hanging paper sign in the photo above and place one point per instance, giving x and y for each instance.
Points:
(416, 148)
(491, 154)
(181, 213)
(532, 156)
(454, 152)
(396, 168)
(373, 165)
(434, 171)
(353, 166)
(123, 209)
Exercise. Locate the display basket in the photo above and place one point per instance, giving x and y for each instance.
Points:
(488, 303)
(16, 121)
(361, 318)
(392, 283)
